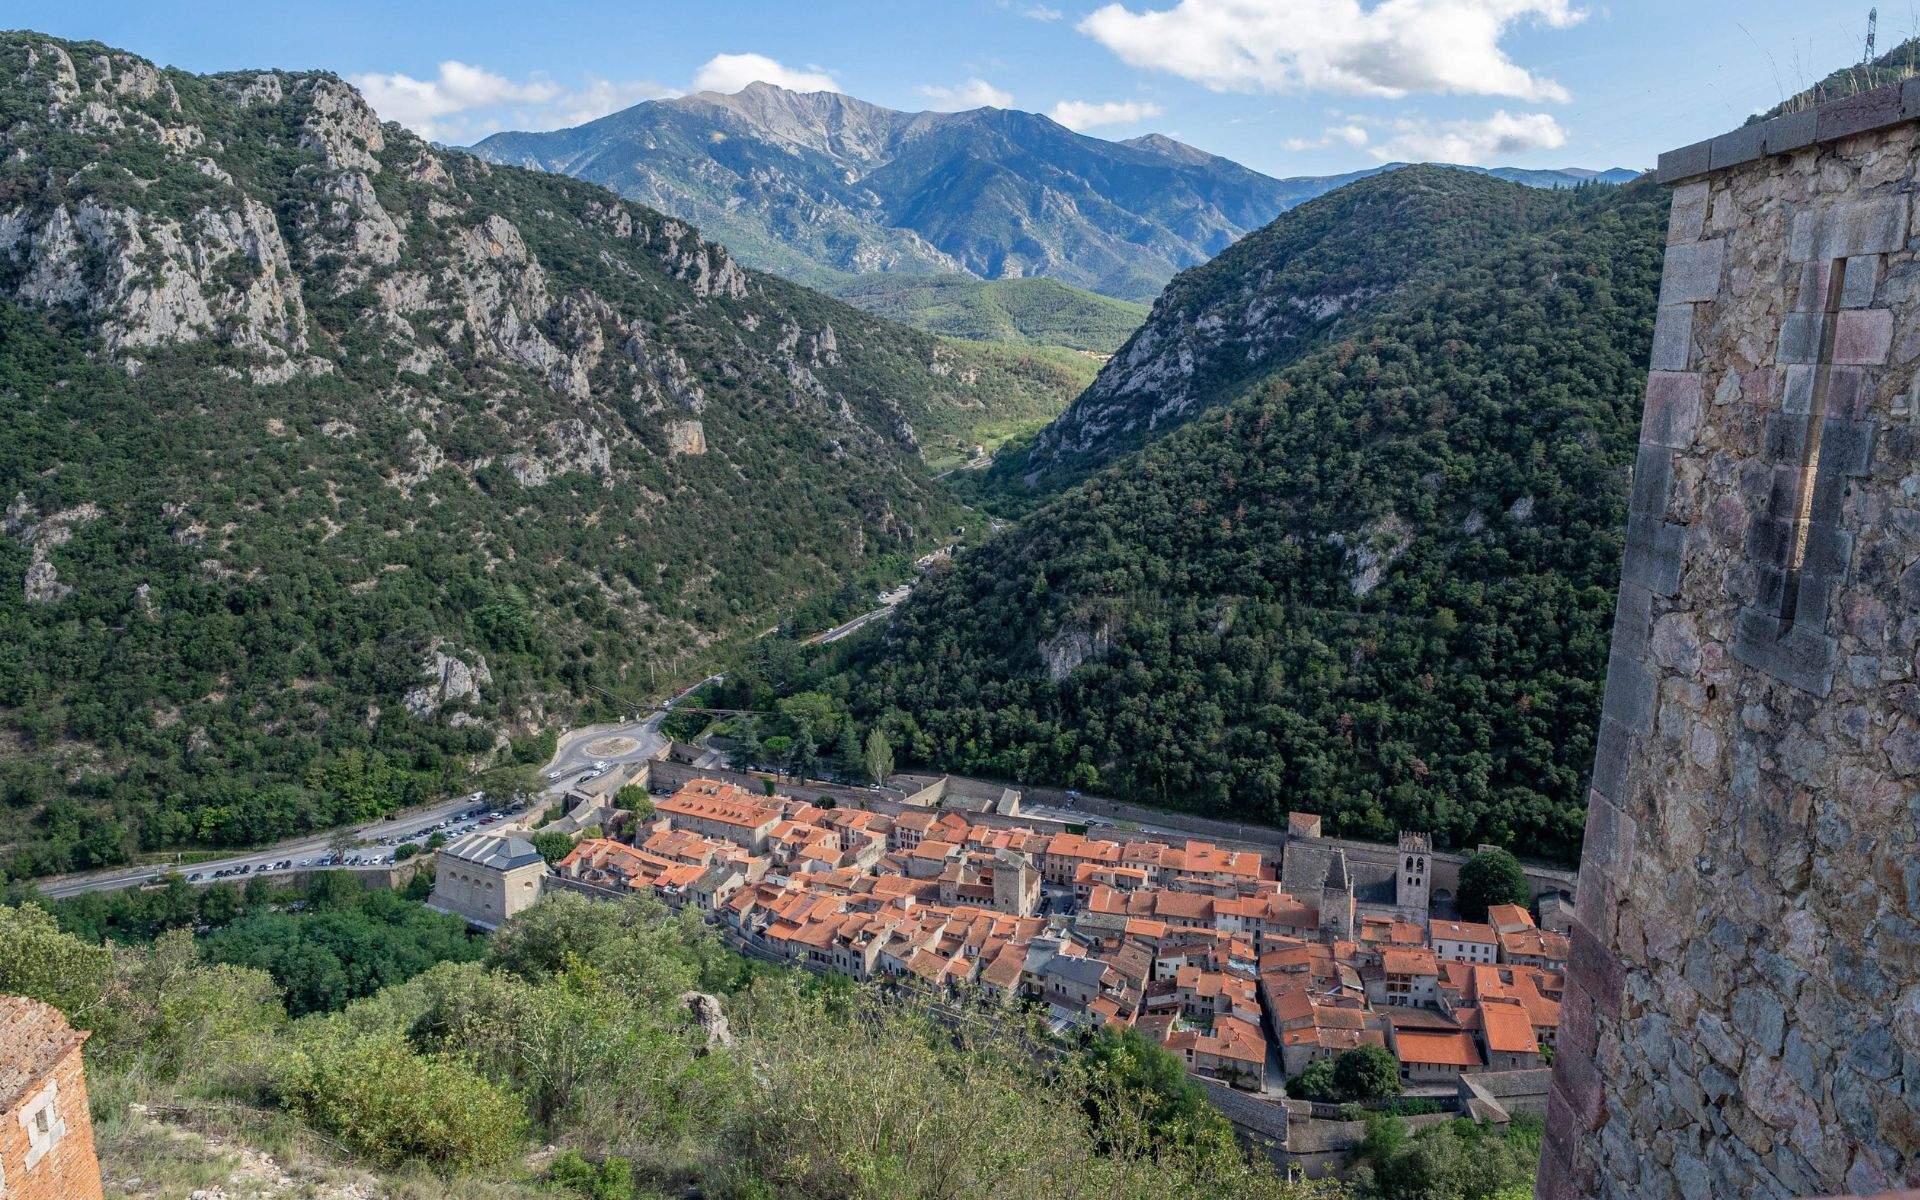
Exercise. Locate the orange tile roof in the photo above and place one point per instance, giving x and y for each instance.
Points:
(1437, 1049)
(1508, 1029)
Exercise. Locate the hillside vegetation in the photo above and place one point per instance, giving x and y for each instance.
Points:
(1317, 273)
(330, 461)
(571, 1028)
(1022, 312)
(1378, 586)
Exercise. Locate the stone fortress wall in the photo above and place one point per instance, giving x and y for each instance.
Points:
(1743, 1005)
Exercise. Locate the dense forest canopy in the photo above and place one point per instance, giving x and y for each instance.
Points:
(1378, 588)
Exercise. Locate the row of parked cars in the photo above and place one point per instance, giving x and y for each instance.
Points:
(466, 821)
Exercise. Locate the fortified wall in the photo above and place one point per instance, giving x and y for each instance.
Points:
(1743, 1005)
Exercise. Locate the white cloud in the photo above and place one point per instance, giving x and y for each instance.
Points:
(1041, 12)
(1474, 143)
(1349, 135)
(1080, 115)
(731, 72)
(1391, 49)
(974, 93)
(463, 101)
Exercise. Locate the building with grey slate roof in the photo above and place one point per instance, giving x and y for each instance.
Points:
(487, 878)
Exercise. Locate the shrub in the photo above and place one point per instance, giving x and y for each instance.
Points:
(382, 1099)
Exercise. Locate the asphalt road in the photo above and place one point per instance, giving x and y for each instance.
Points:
(575, 756)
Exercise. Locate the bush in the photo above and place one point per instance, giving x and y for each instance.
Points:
(384, 1100)
(610, 1180)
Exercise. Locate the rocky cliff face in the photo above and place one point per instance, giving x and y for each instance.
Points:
(294, 398)
(1312, 275)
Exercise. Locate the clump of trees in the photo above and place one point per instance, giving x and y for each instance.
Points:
(1362, 1073)
(1489, 877)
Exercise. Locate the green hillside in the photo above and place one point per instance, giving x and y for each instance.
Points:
(331, 462)
(1023, 312)
(1378, 587)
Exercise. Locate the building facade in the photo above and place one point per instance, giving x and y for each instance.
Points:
(46, 1133)
(487, 878)
(1742, 1014)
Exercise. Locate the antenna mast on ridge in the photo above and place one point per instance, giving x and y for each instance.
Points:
(1873, 25)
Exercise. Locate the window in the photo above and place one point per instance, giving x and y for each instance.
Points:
(41, 1119)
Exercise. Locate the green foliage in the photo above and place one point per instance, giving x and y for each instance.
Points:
(1126, 1070)
(1316, 1082)
(1025, 312)
(609, 1180)
(144, 913)
(1489, 877)
(1457, 1160)
(39, 960)
(1473, 436)
(635, 799)
(385, 1100)
(553, 846)
(338, 951)
(878, 759)
(1366, 1073)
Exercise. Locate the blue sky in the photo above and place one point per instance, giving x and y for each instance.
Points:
(1289, 87)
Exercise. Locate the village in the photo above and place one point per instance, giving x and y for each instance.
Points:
(1248, 966)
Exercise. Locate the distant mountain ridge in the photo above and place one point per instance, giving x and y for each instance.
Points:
(820, 185)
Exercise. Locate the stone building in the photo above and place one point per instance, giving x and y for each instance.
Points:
(1413, 885)
(1016, 885)
(46, 1133)
(487, 878)
(1742, 1012)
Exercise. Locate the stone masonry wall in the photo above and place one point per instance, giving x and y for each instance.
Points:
(1743, 1005)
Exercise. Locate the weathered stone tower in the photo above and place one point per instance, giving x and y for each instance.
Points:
(1336, 899)
(1743, 1007)
(1413, 883)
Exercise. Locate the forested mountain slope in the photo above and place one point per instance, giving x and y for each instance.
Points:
(805, 183)
(328, 459)
(1313, 274)
(1379, 587)
(1022, 312)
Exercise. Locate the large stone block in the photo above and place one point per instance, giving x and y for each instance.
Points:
(1858, 114)
(1800, 338)
(1685, 162)
(1656, 552)
(1673, 338)
(1863, 336)
(1652, 481)
(1687, 218)
(1875, 226)
(1693, 272)
(1672, 416)
(1741, 145)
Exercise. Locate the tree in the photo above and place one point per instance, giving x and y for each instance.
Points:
(634, 799)
(1366, 1073)
(1315, 1082)
(553, 846)
(38, 960)
(847, 749)
(1489, 877)
(405, 851)
(879, 757)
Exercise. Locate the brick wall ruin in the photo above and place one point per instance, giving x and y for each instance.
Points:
(1743, 1008)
